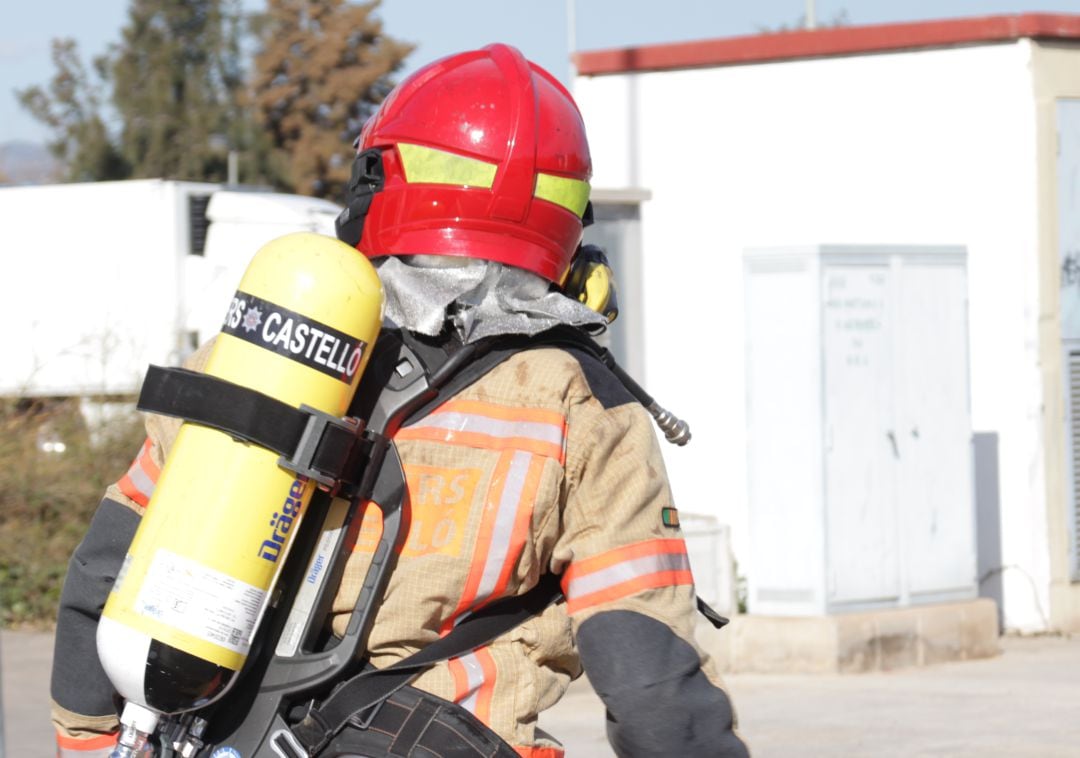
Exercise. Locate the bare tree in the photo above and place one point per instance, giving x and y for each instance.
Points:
(322, 68)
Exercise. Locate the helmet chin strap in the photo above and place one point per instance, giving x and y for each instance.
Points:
(367, 178)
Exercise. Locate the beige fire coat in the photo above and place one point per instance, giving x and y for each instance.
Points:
(544, 464)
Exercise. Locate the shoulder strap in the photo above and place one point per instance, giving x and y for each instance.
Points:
(493, 351)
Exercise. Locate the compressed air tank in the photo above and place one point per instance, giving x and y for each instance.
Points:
(179, 622)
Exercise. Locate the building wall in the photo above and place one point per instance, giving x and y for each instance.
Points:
(1056, 69)
(927, 147)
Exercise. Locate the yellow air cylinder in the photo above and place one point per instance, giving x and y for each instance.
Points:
(197, 577)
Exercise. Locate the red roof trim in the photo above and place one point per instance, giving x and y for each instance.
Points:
(844, 40)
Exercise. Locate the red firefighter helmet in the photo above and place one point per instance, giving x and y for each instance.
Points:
(483, 155)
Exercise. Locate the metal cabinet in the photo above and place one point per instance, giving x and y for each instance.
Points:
(1068, 237)
(859, 428)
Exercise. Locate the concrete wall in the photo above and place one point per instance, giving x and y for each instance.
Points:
(849, 643)
(1056, 69)
(928, 147)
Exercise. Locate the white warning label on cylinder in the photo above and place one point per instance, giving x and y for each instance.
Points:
(200, 601)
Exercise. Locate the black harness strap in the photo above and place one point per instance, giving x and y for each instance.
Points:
(491, 352)
(710, 614)
(312, 443)
(416, 723)
(227, 407)
(445, 729)
(370, 688)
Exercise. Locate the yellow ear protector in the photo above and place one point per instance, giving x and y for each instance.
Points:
(591, 281)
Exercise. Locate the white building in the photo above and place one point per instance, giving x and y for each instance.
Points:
(962, 133)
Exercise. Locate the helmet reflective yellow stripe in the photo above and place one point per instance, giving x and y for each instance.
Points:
(426, 165)
(430, 166)
(572, 194)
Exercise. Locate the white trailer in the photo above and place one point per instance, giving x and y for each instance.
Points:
(105, 278)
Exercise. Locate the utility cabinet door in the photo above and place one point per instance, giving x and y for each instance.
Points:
(1068, 187)
(933, 431)
(861, 538)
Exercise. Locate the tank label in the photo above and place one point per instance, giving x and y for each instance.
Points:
(289, 642)
(200, 601)
(281, 523)
(294, 336)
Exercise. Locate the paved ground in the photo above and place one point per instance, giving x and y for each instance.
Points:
(1024, 703)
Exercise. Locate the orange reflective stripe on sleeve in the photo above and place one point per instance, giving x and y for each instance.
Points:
(141, 479)
(492, 426)
(504, 529)
(539, 752)
(93, 747)
(626, 571)
(474, 682)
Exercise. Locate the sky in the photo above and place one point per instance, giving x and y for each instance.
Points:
(539, 28)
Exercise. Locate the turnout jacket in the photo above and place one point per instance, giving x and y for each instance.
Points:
(545, 464)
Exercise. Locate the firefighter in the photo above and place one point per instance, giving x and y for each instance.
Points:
(469, 194)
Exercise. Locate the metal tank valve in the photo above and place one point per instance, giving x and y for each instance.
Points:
(136, 725)
(675, 430)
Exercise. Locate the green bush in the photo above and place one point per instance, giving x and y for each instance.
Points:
(54, 468)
